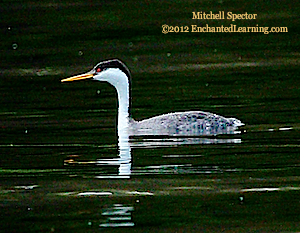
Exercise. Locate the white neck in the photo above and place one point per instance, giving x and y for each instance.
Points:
(123, 110)
(120, 81)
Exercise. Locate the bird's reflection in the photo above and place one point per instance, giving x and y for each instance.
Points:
(118, 215)
(123, 160)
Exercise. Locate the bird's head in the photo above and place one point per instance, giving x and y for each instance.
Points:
(113, 71)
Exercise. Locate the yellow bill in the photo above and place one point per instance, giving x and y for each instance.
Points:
(78, 77)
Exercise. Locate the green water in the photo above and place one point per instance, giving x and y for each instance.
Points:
(55, 138)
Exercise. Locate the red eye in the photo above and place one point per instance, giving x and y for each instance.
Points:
(98, 70)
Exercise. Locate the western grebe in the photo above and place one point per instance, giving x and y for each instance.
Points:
(117, 74)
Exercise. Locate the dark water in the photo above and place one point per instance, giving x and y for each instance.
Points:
(60, 168)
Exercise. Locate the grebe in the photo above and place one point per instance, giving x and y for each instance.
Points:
(117, 74)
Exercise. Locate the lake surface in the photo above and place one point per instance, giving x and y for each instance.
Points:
(61, 166)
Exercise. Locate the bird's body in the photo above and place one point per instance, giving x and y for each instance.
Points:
(183, 123)
(179, 123)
